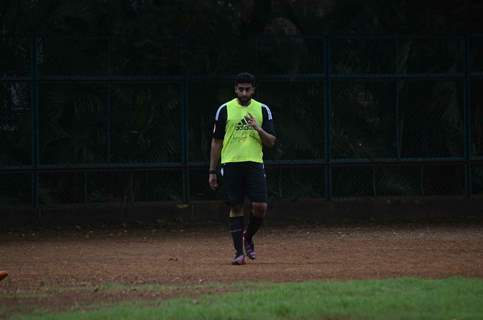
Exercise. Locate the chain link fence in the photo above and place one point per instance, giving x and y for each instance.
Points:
(123, 120)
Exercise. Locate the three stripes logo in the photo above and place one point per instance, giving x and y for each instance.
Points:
(243, 125)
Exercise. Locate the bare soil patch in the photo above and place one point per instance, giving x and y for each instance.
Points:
(81, 267)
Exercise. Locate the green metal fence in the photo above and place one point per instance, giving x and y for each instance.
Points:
(99, 120)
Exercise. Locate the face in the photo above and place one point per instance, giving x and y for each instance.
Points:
(244, 92)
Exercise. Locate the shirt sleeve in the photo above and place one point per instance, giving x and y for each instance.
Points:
(220, 123)
(267, 124)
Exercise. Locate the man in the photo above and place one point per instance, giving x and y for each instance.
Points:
(242, 127)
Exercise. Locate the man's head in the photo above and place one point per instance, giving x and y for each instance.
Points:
(244, 87)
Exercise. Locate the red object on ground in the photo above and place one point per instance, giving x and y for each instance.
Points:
(3, 275)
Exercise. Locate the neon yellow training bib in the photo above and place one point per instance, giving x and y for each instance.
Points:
(242, 142)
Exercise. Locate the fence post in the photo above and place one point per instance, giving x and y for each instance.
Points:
(184, 139)
(109, 103)
(328, 119)
(35, 121)
(467, 116)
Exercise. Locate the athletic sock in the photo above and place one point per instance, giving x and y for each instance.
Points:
(236, 230)
(254, 224)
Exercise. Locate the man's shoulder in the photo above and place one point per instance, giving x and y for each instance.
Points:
(221, 110)
(261, 104)
(231, 102)
(266, 111)
(258, 102)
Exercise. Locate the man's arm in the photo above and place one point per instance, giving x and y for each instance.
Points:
(268, 139)
(216, 145)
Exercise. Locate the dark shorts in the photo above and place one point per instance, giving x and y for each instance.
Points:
(244, 180)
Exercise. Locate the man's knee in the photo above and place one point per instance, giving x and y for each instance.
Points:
(259, 209)
(236, 211)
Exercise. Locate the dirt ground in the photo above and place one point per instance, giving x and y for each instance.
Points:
(63, 269)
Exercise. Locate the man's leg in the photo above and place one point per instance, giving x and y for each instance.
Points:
(236, 230)
(233, 184)
(257, 192)
(259, 210)
(255, 221)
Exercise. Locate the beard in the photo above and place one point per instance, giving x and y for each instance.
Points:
(244, 100)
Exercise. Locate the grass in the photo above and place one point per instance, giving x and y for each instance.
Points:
(402, 298)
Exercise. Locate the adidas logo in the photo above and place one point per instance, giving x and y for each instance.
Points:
(243, 125)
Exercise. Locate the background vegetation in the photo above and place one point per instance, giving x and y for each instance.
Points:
(121, 83)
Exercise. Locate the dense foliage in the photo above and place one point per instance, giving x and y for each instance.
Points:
(97, 103)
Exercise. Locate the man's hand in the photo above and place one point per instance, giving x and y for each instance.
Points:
(252, 121)
(213, 181)
(267, 139)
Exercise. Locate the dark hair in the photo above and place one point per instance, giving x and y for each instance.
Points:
(245, 77)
